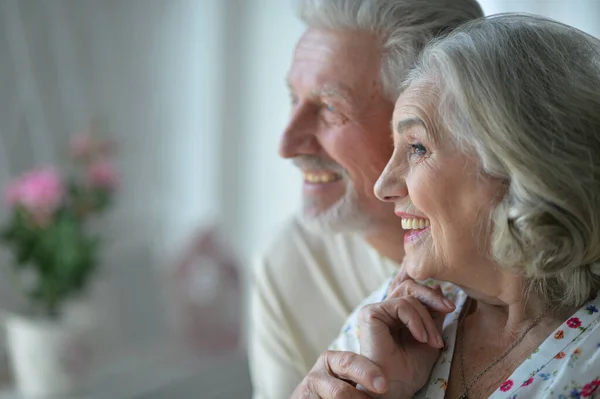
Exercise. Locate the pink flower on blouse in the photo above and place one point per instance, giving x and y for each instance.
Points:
(508, 384)
(574, 322)
(589, 389)
(528, 382)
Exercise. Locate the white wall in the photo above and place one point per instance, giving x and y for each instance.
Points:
(582, 14)
(269, 186)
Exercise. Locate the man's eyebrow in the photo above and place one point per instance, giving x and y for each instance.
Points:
(331, 91)
(338, 92)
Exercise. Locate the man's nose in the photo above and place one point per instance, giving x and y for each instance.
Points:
(299, 137)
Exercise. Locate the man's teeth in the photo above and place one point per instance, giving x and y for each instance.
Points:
(317, 178)
(414, 223)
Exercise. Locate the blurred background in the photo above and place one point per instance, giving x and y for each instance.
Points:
(192, 92)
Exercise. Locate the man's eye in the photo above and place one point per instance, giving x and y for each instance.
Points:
(332, 116)
(329, 107)
(293, 99)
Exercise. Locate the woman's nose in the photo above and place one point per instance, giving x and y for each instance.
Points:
(391, 185)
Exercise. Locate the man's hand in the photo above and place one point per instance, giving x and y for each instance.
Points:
(336, 374)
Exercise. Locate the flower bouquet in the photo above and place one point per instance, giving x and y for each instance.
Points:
(55, 255)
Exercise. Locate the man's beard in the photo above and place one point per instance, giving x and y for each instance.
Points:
(345, 215)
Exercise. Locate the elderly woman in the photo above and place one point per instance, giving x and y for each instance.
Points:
(496, 172)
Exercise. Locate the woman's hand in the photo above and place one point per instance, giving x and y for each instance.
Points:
(336, 374)
(402, 335)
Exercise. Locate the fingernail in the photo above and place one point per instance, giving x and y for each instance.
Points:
(379, 384)
(424, 336)
(440, 341)
(448, 303)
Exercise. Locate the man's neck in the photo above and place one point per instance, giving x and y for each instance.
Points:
(388, 241)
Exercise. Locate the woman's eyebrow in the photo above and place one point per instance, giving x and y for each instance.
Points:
(406, 123)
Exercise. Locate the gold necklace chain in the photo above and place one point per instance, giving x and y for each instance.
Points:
(467, 387)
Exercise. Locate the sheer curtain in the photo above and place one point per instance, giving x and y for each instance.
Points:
(152, 70)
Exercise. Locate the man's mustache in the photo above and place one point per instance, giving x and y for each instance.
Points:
(317, 162)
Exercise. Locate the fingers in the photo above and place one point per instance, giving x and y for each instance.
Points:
(355, 368)
(432, 298)
(328, 387)
(433, 333)
(379, 318)
(438, 317)
(400, 277)
(336, 374)
(322, 386)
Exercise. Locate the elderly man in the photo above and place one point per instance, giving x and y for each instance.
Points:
(346, 242)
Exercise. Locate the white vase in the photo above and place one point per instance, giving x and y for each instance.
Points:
(50, 359)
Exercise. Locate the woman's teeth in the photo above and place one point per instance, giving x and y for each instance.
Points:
(321, 178)
(414, 223)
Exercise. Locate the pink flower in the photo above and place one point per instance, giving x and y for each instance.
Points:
(82, 147)
(528, 382)
(574, 322)
(506, 386)
(40, 192)
(589, 389)
(102, 174)
(85, 147)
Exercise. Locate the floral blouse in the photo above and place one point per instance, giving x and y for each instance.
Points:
(565, 365)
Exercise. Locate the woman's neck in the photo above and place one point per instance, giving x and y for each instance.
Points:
(515, 317)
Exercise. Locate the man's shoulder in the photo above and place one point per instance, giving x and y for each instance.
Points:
(294, 246)
(292, 237)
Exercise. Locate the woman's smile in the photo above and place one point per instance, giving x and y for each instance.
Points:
(415, 226)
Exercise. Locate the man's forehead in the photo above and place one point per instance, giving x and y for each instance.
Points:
(339, 41)
(326, 88)
(340, 63)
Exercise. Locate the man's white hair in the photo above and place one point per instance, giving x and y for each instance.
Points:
(404, 26)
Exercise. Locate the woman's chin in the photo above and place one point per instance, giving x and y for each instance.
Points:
(417, 271)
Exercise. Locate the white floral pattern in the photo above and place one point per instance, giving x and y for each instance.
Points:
(566, 365)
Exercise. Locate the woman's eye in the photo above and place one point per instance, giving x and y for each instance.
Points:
(417, 149)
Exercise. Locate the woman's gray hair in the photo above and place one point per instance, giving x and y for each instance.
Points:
(405, 26)
(523, 93)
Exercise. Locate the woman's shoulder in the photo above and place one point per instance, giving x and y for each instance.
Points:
(566, 365)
